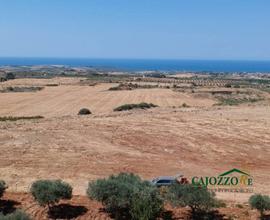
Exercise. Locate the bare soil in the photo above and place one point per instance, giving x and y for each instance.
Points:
(82, 208)
(68, 99)
(203, 140)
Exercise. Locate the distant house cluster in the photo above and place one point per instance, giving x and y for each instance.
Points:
(6, 76)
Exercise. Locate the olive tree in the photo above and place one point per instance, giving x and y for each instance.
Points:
(197, 197)
(3, 187)
(49, 192)
(146, 204)
(127, 195)
(17, 215)
(260, 202)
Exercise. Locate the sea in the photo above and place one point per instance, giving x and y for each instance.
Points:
(147, 64)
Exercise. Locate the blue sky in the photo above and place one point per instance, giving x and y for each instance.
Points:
(178, 29)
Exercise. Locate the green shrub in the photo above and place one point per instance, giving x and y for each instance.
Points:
(52, 84)
(146, 204)
(237, 101)
(11, 118)
(49, 192)
(141, 105)
(220, 204)
(17, 215)
(10, 76)
(21, 89)
(84, 111)
(260, 202)
(185, 105)
(198, 198)
(115, 191)
(3, 187)
(126, 194)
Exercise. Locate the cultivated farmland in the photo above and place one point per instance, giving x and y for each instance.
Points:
(201, 139)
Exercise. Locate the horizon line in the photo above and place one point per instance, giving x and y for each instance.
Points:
(121, 58)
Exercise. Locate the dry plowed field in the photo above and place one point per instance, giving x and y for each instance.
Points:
(68, 99)
(201, 140)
